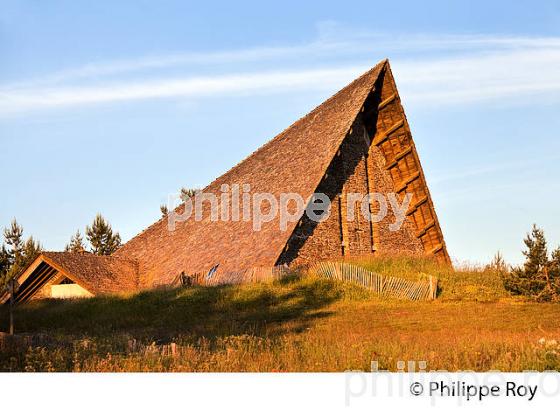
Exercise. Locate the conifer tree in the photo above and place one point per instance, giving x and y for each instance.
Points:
(185, 194)
(539, 277)
(76, 243)
(31, 249)
(554, 273)
(101, 237)
(18, 254)
(498, 265)
(4, 264)
(555, 263)
(13, 236)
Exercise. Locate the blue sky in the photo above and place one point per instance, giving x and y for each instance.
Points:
(111, 106)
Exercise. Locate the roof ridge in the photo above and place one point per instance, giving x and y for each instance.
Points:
(298, 121)
(279, 136)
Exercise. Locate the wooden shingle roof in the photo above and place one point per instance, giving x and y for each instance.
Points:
(97, 274)
(293, 162)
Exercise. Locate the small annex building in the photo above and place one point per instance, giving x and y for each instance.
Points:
(358, 140)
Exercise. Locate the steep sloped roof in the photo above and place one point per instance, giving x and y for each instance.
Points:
(293, 162)
(98, 274)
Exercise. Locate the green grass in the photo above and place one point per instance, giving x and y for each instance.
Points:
(298, 324)
(466, 283)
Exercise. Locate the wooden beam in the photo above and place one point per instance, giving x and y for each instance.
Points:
(398, 157)
(424, 230)
(31, 289)
(410, 179)
(387, 101)
(417, 205)
(367, 139)
(344, 225)
(369, 189)
(36, 284)
(48, 276)
(437, 249)
(30, 269)
(381, 138)
(31, 279)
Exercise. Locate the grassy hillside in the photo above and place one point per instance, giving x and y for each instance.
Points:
(297, 324)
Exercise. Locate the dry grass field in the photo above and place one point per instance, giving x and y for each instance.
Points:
(296, 324)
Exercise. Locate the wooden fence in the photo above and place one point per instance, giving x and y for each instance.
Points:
(382, 285)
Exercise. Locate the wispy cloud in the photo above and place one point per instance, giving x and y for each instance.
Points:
(246, 83)
(333, 40)
(521, 73)
(430, 69)
(483, 169)
(158, 62)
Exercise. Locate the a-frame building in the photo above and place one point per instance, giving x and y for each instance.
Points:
(358, 141)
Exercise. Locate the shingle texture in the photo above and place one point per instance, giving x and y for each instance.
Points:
(98, 274)
(293, 162)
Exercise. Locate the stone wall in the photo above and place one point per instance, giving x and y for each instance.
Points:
(359, 167)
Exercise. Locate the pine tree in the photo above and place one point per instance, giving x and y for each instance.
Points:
(13, 236)
(5, 265)
(554, 269)
(19, 253)
(76, 243)
(498, 265)
(185, 194)
(31, 249)
(101, 238)
(539, 277)
(555, 261)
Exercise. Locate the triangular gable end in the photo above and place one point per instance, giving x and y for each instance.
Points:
(377, 155)
(44, 278)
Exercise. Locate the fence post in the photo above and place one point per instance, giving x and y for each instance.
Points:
(12, 288)
(433, 287)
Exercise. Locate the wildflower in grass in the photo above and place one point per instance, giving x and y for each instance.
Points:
(551, 343)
